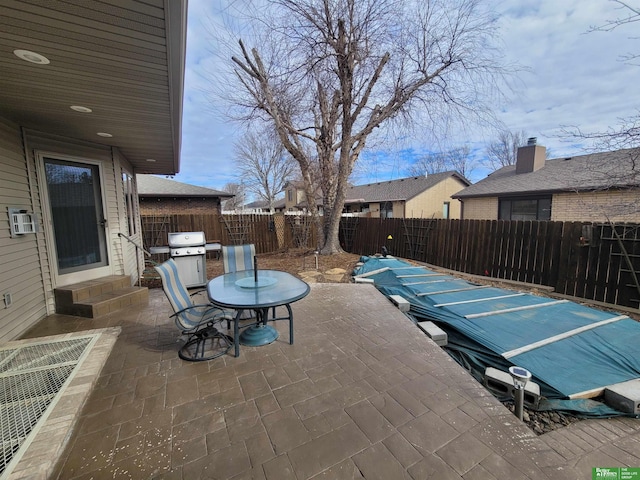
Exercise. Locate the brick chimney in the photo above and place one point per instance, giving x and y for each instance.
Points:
(530, 157)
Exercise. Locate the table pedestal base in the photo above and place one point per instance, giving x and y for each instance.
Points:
(258, 335)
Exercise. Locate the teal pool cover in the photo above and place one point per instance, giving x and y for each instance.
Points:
(571, 350)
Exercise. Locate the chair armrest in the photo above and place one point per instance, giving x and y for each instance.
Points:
(224, 313)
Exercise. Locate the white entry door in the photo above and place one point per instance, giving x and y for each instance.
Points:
(77, 217)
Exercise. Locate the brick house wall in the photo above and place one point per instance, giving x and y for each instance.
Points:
(481, 208)
(614, 205)
(171, 205)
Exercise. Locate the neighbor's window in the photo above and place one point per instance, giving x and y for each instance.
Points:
(290, 195)
(386, 210)
(445, 210)
(525, 209)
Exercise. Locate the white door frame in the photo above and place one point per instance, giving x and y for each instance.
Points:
(58, 279)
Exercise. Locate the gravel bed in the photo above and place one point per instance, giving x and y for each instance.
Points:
(543, 422)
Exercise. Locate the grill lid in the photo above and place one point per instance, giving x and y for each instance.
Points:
(186, 239)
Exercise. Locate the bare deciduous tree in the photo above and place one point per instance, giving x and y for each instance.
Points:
(328, 73)
(627, 134)
(624, 138)
(238, 190)
(429, 164)
(630, 14)
(264, 165)
(462, 161)
(503, 151)
(457, 159)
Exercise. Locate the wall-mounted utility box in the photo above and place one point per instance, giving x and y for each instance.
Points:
(22, 222)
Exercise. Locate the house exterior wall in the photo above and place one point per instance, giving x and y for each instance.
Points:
(398, 209)
(429, 203)
(27, 267)
(481, 208)
(171, 205)
(293, 196)
(23, 274)
(612, 205)
(374, 210)
(133, 258)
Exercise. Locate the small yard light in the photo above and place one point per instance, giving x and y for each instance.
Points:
(520, 378)
(385, 250)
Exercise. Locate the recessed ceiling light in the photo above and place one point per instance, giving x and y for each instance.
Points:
(152, 160)
(81, 109)
(105, 134)
(32, 57)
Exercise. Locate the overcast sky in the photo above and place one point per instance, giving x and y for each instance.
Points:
(573, 78)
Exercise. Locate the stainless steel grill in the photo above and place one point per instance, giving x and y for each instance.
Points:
(31, 378)
(188, 250)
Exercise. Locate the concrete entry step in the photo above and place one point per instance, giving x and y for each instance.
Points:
(99, 297)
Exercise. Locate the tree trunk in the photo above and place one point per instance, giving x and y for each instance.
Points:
(332, 239)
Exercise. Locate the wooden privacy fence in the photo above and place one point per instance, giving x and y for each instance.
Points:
(269, 233)
(593, 261)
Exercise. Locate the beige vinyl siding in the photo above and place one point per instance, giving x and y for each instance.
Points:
(132, 258)
(429, 203)
(110, 186)
(374, 210)
(398, 209)
(21, 274)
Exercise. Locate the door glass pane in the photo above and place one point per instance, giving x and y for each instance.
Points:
(386, 210)
(76, 209)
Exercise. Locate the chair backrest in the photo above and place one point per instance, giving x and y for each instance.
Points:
(177, 293)
(237, 258)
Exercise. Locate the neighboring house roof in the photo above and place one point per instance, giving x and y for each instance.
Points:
(279, 203)
(124, 61)
(396, 190)
(595, 171)
(299, 184)
(150, 186)
(257, 204)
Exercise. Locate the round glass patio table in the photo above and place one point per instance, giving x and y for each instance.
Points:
(239, 291)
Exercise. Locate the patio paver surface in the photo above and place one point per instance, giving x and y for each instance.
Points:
(362, 393)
